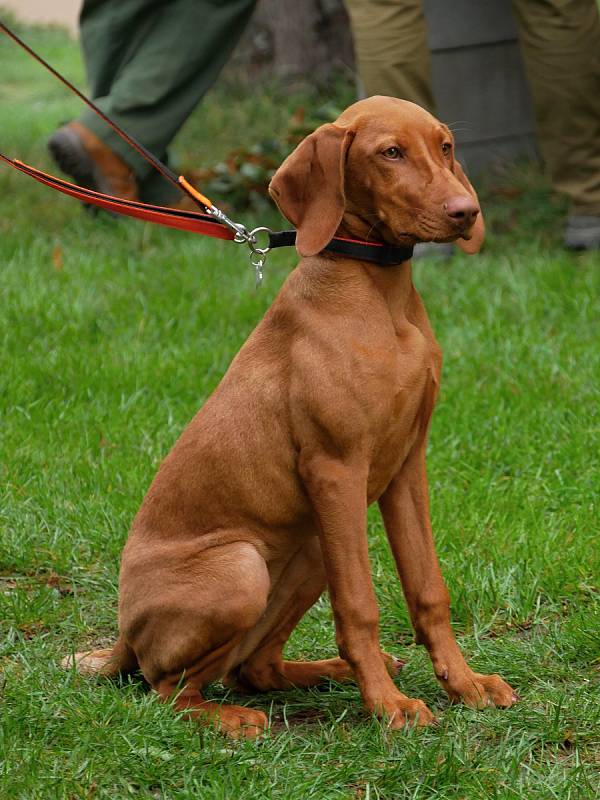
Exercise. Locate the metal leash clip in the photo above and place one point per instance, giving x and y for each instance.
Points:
(241, 232)
(258, 255)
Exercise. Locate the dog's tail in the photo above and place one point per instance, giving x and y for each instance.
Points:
(109, 662)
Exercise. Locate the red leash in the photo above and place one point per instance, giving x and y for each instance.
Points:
(173, 218)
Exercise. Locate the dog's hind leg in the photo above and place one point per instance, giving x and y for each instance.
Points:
(185, 620)
(234, 721)
(300, 585)
(107, 662)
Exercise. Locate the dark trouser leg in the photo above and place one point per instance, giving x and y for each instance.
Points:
(560, 40)
(149, 63)
(109, 30)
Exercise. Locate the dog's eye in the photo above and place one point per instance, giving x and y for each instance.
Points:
(392, 152)
(446, 148)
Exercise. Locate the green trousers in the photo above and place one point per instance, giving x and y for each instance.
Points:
(560, 42)
(148, 64)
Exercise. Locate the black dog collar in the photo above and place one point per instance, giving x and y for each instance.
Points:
(384, 255)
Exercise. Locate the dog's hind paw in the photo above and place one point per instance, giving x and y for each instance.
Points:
(91, 662)
(393, 664)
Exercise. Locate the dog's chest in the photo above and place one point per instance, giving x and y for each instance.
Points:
(407, 399)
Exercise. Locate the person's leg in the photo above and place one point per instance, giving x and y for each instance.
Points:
(390, 41)
(107, 31)
(149, 62)
(172, 59)
(560, 41)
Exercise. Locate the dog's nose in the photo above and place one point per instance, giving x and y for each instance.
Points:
(462, 210)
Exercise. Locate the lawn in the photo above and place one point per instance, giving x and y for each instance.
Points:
(113, 334)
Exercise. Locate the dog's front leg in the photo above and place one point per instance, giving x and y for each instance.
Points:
(405, 510)
(338, 492)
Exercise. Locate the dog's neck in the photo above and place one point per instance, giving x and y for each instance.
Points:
(394, 283)
(369, 228)
(337, 279)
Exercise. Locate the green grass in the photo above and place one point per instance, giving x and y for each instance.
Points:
(114, 333)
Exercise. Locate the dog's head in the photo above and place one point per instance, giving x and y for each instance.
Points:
(384, 171)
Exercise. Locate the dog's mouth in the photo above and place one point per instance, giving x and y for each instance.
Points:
(423, 228)
(466, 235)
(409, 239)
(430, 230)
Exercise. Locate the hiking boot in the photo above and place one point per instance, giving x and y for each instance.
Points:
(582, 233)
(81, 154)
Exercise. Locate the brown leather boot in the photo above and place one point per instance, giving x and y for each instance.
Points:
(82, 155)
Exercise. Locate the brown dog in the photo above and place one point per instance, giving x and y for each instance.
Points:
(262, 502)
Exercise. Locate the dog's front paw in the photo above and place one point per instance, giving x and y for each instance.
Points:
(401, 712)
(478, 691)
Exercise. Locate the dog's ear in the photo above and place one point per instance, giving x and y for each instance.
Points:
(477, 233)
(309, 187)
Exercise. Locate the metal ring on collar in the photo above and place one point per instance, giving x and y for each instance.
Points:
(252, 240)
